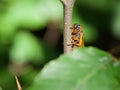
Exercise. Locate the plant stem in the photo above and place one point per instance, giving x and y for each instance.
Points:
(68, 7)
(18, 83)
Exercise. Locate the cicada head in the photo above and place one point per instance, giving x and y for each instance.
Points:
(75, 29)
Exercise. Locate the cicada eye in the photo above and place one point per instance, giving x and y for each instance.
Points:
(77, 27)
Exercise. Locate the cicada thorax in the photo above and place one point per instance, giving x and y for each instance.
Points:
(77, 36)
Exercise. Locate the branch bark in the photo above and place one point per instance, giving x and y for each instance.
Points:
(68, 7)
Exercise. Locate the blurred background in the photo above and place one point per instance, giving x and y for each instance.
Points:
(31, 34)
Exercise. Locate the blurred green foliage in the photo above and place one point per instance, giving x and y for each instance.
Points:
(23, 25)
(116, 22)
(32, 49)
(28, 13)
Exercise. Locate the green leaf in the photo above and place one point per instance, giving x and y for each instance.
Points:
(116, 66)
(83, 69)
(26, 48)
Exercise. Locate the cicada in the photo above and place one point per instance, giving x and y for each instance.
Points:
(77, 36)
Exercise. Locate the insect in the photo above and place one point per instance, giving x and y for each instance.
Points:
(77, 36)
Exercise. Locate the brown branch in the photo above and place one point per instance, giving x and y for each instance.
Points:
(68, 6)
(18, 83)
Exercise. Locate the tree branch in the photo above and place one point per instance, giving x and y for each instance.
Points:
(68, 6)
